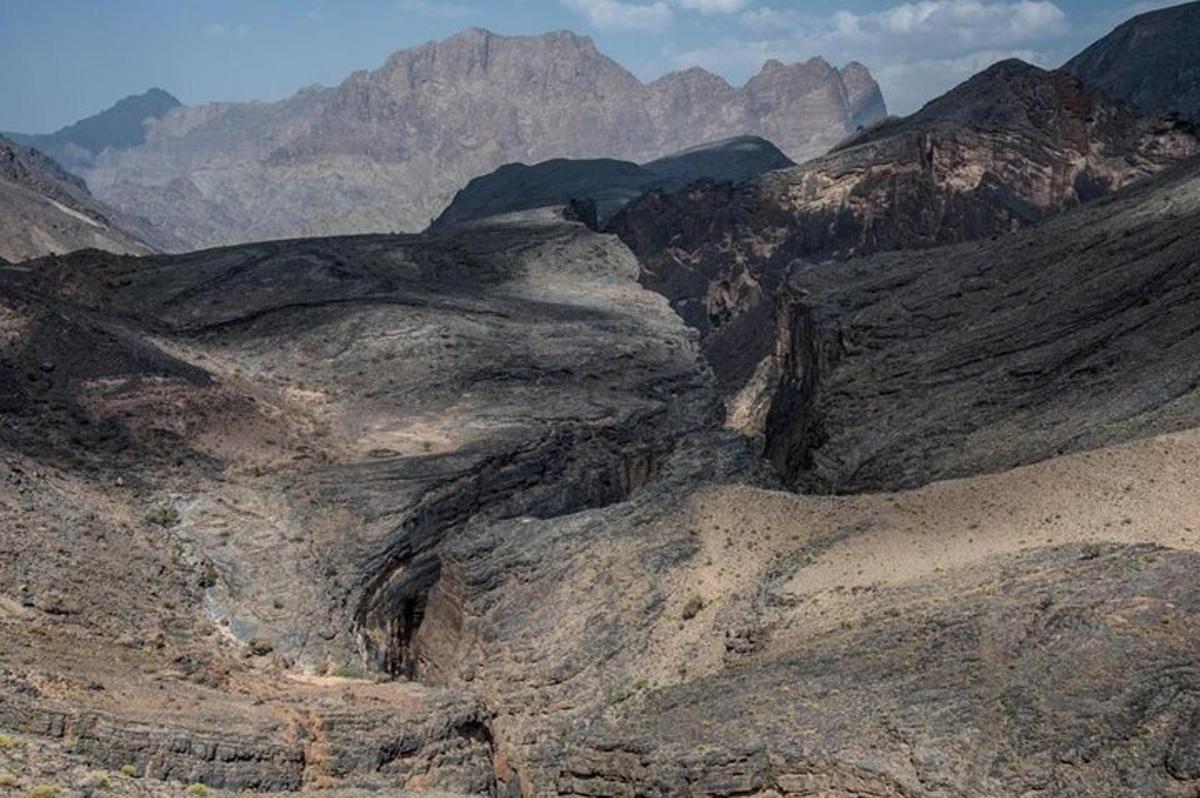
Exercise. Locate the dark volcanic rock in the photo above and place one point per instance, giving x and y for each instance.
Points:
(387, 149)
(1072, 335)
(120, 127)
(610, 184)
(1150, 62)
(1010, 147)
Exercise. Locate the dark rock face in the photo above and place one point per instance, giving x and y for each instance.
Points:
(45, 210)
(1011, 147)
(387, 149)
(1069, 336)
(609, 184)
(1151, 62)
(120, 127)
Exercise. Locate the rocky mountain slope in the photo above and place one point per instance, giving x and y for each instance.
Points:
(457, 513)
(1066, 337)
(1008, 148)
(44, 210)
(120, 127)
(1150, 62)
(608, 183)
(387, 149)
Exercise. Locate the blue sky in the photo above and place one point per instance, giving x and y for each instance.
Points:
(64, 59)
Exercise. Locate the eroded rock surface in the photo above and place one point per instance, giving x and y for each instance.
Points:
(44, 210)
(458, 514)
(243, 465)
(1010, 147)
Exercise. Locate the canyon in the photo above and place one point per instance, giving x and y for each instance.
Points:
(863, 464)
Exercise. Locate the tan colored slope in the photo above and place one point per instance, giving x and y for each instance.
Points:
(1143, 492)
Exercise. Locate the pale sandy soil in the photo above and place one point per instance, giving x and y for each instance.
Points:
(823, 556)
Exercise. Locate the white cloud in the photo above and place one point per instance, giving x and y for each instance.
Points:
(615, 15)
(430, 8)
(916, 50)
(713, 6)
(219, 31)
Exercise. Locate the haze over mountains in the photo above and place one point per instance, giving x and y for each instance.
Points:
(869, 475)
(386, 150)
(120, 127)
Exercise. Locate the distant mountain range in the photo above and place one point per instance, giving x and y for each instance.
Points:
(1151, 62)
(120, 127)
(608, 183)
(386, 150)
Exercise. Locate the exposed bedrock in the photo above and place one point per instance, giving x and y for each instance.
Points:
(899, 369)
(1010, 148)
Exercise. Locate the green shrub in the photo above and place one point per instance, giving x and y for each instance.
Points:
(164, 515)
(208, 576)
(259, 647)
(44, 791)
(10, 742)
(129, 770)
(692, 607)
(198, 790)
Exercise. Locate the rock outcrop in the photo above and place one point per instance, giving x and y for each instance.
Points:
(1150, 62)
(387, 149)
(608, 183)
(1011, 147)
(44, 210)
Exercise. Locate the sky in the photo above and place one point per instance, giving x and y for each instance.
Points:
(62, 60)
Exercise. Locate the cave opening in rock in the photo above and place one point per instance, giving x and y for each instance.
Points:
(402, 656)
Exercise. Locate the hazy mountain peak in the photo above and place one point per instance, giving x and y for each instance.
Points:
(118, 127)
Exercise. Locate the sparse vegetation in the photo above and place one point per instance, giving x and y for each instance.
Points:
(45, 791)
(8, 741)
(98, 780)
(7, 780)
(130, 771)
(631, 689)
(208, 576)
(1091, 551)
(164, 515)
(198, 790)
(692, 607)
(348, 672)
(260, 647)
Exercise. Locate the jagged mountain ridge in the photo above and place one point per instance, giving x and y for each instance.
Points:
(608, 183)
(1150, 61)
(119, 127)
(1010, 147)
(45, 210)
(387, 149)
